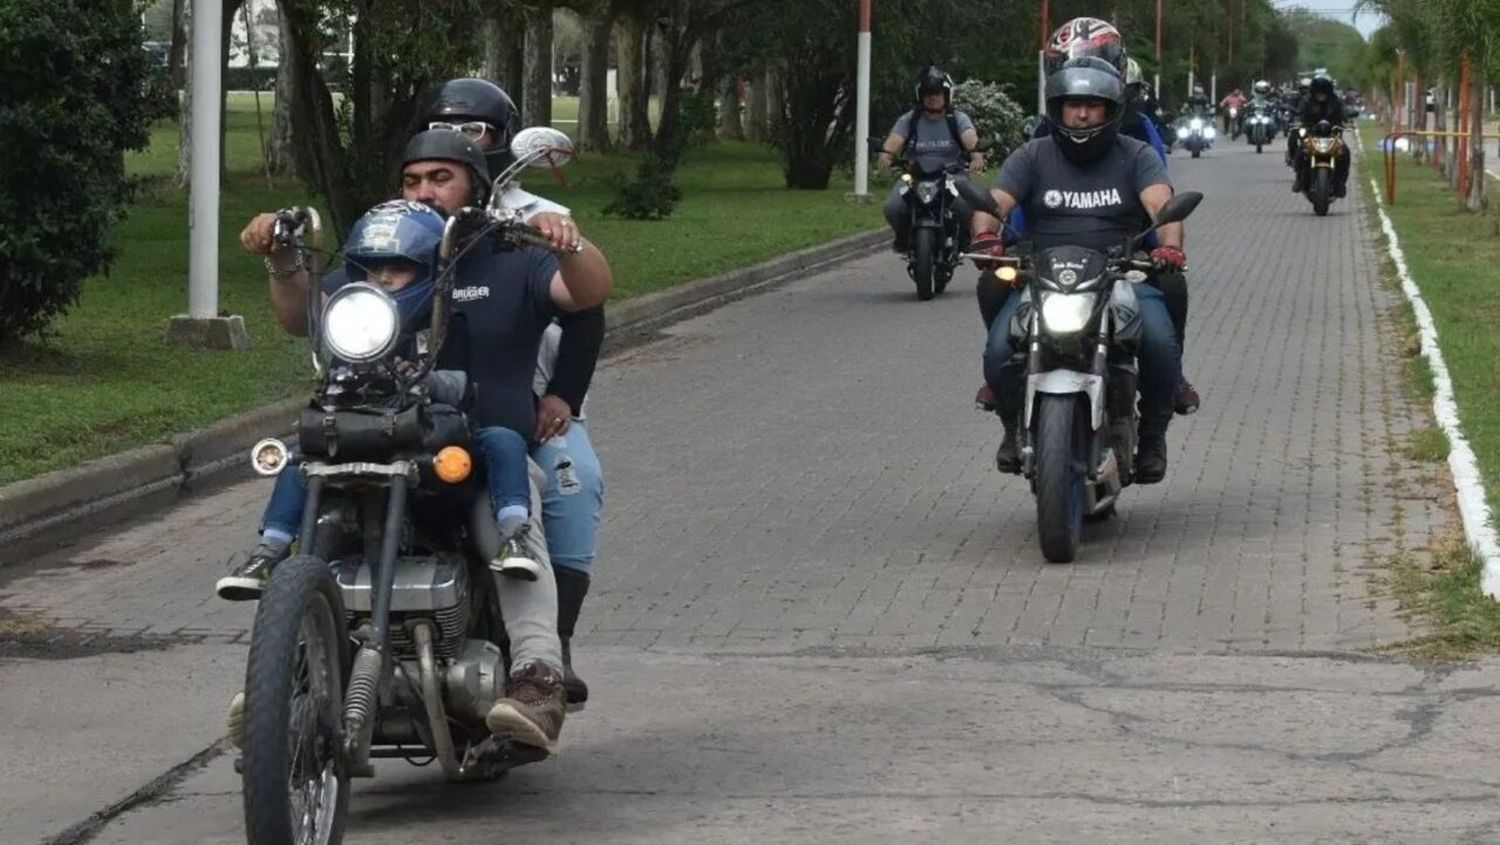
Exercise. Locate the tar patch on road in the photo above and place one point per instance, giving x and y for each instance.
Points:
(31, 637)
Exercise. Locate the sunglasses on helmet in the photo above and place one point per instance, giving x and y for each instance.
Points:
(473, 129)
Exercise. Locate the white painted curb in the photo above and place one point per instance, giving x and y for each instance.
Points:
(1466, 478)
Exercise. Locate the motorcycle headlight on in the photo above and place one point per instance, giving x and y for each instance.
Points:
(1322, 146)
(1209, 132)
(1182, 132)
(1196, 123)
(360, 323)
(1067, 313)
(927, 191)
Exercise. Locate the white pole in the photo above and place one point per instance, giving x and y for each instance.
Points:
(1041, 82)
(1213, 88)
(1156, 86)
(862, 119)
(203, 199)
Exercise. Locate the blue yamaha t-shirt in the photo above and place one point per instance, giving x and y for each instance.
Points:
(502, 303)
(1098, 206)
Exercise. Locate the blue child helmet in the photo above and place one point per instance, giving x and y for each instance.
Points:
(398, 230)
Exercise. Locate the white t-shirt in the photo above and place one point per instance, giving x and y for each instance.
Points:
(530, 205)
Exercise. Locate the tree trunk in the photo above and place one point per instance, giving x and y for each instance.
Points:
(537, 105)
(504, 37)
(635, 120)
(676, 50)
(231, 8)
(177, 55)
(1476, 141)
(279, 153)
(593, 95)
(185, 121)
(493, 31)
(319, 154)
(756, 128)
(775, 100)
(730, 125)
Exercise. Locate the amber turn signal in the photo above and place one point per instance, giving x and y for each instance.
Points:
(453, 464)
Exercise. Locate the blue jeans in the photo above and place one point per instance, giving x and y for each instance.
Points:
(573, 499)
(1158, 355)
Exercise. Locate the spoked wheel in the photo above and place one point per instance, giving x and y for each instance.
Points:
(296, 791)
(1059, 477)
(923, 261)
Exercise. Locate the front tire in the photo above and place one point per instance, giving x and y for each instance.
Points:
(296, 789)
(923, 243)
(1320, 193)
(1197, 152)
(1059, 477)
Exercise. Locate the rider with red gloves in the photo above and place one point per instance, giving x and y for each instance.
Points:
(1087, 185)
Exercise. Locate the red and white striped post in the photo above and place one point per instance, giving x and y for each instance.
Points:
(862, 106)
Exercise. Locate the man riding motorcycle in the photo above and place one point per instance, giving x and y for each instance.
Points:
(1095, 38)
(933, 135)
(574, 496)
(1321, 104)
(1087, 186)
(1232, 107)
(446, 171)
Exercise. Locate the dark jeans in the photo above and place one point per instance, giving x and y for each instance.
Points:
(1173, 286)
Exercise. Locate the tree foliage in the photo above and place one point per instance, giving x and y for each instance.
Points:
(79, 91)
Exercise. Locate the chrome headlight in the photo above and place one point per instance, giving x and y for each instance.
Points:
(1182, 132)
(360, 323)
(1067, 313)
(1196, 123)
(927, 191)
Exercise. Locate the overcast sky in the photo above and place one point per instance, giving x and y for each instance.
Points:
(1342, 10)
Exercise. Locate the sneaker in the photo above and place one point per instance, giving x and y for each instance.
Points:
(1151, 459)
(518, 557)
(237, 721)
(1340, 191)
(245, 582)
(532, 710)
(1185, 401)
(984, 400)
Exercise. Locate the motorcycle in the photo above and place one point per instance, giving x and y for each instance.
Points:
(383, 637)
(1232, 123)
(1078, 321)
(1196, 134)
(1320, 154)
(1260, 128)
(937, 234)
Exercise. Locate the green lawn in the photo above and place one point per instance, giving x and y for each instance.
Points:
(1452, 255)
(105, 381)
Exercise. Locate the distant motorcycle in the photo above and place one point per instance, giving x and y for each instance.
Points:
(1260, 128)
(938, 234)
(1196, 134)
(1321, 148)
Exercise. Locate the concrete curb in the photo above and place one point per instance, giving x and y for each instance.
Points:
(109, 485)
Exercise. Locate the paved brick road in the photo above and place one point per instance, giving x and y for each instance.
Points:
(798, 483)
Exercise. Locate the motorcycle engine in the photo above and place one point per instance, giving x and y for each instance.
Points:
(435, 587)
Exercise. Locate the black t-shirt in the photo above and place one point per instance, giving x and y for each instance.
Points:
(1097, 206)
(1330, 110)
(502, 303)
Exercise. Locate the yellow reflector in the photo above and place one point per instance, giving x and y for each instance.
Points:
(1006, 274)
(453, 464)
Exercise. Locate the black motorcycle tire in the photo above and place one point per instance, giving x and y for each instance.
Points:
(301, 589)
(1321, 192)
(1257, 149)
(923, 263)
(1197, 152)
(1059, 479)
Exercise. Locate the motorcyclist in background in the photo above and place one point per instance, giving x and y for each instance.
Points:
(1322, 104)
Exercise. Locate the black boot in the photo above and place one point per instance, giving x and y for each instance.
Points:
(572, 586)
(1008, 458)
(1151, 451)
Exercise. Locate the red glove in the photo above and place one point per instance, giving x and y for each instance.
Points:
(1170, 255)
(987, 243)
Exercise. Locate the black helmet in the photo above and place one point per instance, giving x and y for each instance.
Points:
(471, 99)
(932, 80)
(1085, 37)
(443, 145)
(1085, 79)
(1321, 85)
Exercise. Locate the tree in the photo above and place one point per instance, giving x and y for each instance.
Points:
(66, 64)
(593, 96)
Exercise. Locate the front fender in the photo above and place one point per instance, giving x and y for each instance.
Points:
(1066, 382)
